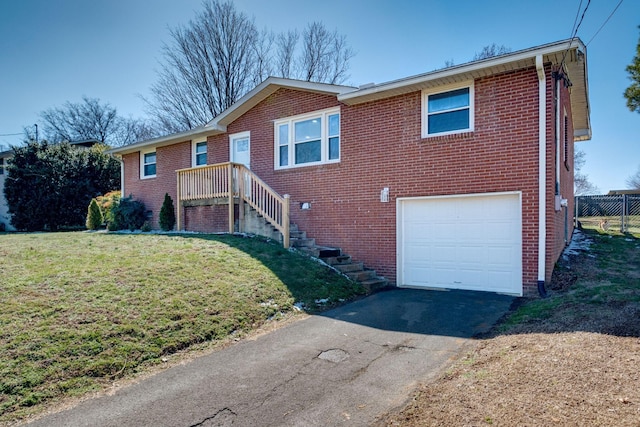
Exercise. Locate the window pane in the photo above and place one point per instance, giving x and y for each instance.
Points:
(284, 155)
(201, 159)
(449, 100)
(308, 152)
(150, 169)
(242, 145)
(149, 158)
(201, 147)
(334, 148)
(283, 134)
(307, 130)
(445, 122)
(334, 125)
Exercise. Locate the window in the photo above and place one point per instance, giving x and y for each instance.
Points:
(306, 140)
(199, 154)
(447, 112)
(148, 164)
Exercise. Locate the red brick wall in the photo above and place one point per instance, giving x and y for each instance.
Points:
(557, 219)
(150, 191)
(381, 146)
(208, 219)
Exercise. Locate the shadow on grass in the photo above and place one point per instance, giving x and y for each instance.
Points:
(314, 286)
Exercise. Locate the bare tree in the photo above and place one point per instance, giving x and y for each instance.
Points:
(264, 64)
(131, 130)
(325, 55)
(634, 180)
(581, 184)
(212, 62)
(75, 121)
(285, 53)
(90, 119)
(220, 55)
(490, 51)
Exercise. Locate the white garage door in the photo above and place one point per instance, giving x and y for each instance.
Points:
(461, 242)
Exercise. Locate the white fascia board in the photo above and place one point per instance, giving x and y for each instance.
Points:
(266, 88)
(350, 98)
(196, 133)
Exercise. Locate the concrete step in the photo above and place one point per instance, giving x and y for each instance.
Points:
(338, 260)
(302, 243)
(297, 234)
(350, 268)
(311, 251)
(361, 276)
(328, 252)
(375, 284)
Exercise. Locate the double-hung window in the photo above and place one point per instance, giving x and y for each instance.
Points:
(199, 153)
(148, 164)
(309, 139)
(447, 112)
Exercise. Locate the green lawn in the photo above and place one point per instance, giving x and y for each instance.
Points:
(80, 310)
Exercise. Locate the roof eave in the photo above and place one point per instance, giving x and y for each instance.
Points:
(458, 73)
(190, 135)
(268, 87)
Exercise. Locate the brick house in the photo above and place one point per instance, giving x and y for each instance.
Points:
(436, 181)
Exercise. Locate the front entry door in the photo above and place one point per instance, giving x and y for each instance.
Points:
(241, 148)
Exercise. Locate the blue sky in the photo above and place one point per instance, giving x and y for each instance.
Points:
(57, 51)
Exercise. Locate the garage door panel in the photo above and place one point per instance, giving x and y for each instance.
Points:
(470, 242)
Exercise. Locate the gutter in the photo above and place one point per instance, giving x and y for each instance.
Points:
(542, 172)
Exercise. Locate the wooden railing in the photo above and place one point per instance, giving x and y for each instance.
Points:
(234, 181)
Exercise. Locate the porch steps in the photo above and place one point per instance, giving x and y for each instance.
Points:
(334, 257)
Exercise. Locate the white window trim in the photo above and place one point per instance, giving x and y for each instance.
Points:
(142, 153)
(441, 89)
(194, 144)
(324, 139)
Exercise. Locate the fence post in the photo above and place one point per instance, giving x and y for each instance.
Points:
(622, 214)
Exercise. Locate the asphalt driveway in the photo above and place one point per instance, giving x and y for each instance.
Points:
(344, 367)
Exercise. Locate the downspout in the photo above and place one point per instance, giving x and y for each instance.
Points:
(542, 172)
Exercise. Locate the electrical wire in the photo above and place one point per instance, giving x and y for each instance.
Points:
(575, 30)
(604, 23)
(571, 34)
(12, 134)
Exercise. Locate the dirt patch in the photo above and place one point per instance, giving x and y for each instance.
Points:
(576, 365)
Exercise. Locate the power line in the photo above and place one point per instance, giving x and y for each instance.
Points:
(571, 34)
(605, 22)
(12, 134)
(575, 30)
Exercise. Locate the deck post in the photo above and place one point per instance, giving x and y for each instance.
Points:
(178, 204)
(285, 222)
(231, 207)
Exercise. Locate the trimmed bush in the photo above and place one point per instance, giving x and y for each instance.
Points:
(167, 214)
(94, 216)
(106, 202)
(127, 214)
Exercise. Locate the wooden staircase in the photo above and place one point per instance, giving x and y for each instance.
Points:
(263, 212)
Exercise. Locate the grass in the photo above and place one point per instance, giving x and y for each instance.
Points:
(80, 310)
(615, 279)
(569, 359)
